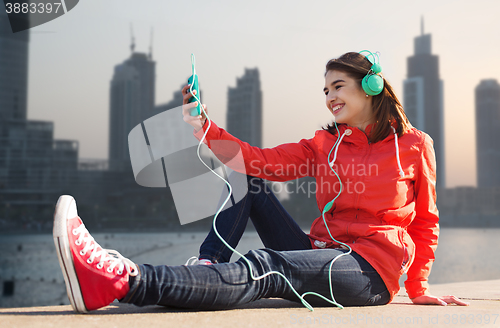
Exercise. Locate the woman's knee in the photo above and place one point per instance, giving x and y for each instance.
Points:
(265, 260)
(379, 299)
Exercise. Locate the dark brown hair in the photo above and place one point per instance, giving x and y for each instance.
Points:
(386, 106)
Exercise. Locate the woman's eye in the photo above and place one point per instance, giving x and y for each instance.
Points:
(326, 93)
(338, 87)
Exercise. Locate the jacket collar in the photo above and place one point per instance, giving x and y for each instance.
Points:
(358, 136)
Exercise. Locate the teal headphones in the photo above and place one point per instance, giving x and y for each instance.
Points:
(373, 83)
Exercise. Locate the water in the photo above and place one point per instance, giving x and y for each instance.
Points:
(30, 261)
(465, 254)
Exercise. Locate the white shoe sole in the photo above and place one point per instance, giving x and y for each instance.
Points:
(66, 209)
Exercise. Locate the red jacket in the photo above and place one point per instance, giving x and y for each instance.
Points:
(390, 220)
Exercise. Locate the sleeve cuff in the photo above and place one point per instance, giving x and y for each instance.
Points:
(198, 135)
(417, 288)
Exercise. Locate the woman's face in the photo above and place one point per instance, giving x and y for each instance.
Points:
(347, 101)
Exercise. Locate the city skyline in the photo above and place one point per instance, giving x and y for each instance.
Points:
(290, 57)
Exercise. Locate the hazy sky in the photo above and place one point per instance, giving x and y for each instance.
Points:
(72, 60)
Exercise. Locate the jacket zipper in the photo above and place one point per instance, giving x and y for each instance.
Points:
(356, 200)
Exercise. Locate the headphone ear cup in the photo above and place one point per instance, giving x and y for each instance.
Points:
(372, 84)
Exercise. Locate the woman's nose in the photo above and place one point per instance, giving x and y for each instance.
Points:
(330, 99)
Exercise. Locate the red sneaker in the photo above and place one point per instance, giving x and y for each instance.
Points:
(94, 276)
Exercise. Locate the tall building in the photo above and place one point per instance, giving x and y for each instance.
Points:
(423, 98)
(132, 99)
(146, 70)
(488, 133)
(13, 71)
(244, 108)
(124, 113)
(34, 168)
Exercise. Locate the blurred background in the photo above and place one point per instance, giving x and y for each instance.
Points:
(72, 89)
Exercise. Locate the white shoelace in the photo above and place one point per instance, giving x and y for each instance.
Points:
(106, 255)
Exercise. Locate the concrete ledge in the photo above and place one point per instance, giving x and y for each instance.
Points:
(484, 310)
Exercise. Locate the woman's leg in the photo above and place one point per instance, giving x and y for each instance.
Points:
(275, 226)
(94, 277)
(226, 285)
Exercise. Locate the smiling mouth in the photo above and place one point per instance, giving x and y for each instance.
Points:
(337, 108)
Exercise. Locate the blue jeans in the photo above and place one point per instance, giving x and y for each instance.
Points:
(288, 250)
(275, 226)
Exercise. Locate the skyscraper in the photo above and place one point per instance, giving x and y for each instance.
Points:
(132, 98)
(124, 113)
(34, 168)
(13, 71)
(146, 70)
(244, 108)
(423, 97)
(488, 133)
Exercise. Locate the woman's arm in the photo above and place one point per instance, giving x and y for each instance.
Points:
(424, 230)
(282, 163)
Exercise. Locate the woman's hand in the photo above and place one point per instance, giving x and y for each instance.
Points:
(196, 122)
(433, 300)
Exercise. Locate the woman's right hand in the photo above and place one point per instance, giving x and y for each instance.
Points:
(196, 122)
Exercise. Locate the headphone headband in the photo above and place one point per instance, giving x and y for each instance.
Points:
(374, 56)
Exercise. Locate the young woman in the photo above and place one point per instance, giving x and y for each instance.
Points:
(386, 213)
